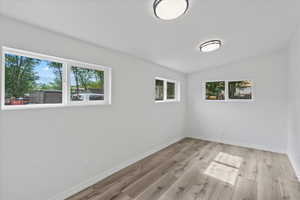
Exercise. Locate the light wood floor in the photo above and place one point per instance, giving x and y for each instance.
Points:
(200, 170)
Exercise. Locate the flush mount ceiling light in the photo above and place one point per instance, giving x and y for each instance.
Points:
(210, 46)
(170, 9)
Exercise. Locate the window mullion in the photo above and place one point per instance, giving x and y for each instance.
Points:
(66, 83)
(165, 90)
(107, 86)
(177, 91)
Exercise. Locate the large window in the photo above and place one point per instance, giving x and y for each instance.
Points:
(32, 80)
(166, 90)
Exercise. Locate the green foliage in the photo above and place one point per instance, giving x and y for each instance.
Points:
(57, 70)
(87, 79)
(21, 79)
(234, 85)
(171, 90)
(19, 75)
(159, 90)
(215, 88)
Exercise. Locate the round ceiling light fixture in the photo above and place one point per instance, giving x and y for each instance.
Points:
(170, 9)
(211, 45)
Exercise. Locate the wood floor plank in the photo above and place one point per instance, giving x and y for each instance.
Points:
(245, 189)
(223, 191)
(268, 189)
(202, 190)
(264, 166)
(283, 167)
(139, 186)
(209, 153)
(132, 172)
(195, 185)
(249, 167)
(125, 184)
(178, 162)
(179, 189)
(290, 190)
(201, 170)
(154, 191)
(123, 197)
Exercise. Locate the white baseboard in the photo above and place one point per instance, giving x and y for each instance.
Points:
(102, 175)
(295, 166)
(254, 146)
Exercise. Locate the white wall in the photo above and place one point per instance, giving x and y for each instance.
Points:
(44, 152)
(260, 124)
(294, 102)
(49, 152)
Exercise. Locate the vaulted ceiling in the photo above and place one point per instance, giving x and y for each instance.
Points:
(248, 28)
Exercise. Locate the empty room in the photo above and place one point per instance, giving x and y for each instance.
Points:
(149, 100)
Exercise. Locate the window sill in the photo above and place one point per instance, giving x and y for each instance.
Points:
(168, 101)
(231, 101)
(47, 106)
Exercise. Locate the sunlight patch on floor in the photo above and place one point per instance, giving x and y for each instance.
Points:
(227, 159)
(225, 167)
(222, 172)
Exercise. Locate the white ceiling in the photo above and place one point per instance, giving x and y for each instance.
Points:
(247, 27)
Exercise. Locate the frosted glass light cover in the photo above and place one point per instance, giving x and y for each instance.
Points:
(170, 9)
(210, 46)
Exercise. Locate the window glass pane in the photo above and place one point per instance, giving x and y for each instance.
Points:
(170, 90)
(215, 90)
(32, 81)
(240, 89)
(159, 90)
(87, 84)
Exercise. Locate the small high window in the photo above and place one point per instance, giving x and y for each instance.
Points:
(171, 90)
(159, 90)
(166, 90)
